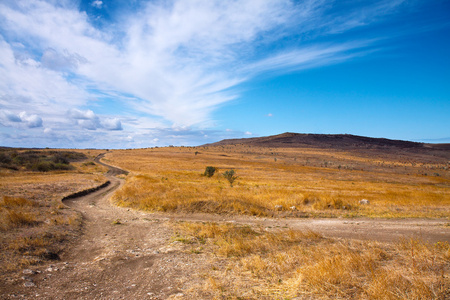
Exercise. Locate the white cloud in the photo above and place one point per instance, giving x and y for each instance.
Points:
(31, 121)
(171, 63)
(87, 119)
(307, 57)
(81, 115)
(179, 59)
(89, 124)
(97, 3)
(24, 83)
(61, 61)
(112, 124)
(269, 115)
(247, 133)
(8, 118)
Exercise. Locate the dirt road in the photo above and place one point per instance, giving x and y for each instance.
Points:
(126, 254)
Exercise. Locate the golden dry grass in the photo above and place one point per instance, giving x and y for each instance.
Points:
(34, 224)
(170, 179)
(255, 263)
(17, 212)
(249, 263)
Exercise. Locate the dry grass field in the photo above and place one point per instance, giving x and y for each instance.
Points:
(316, 182)
(34, 224)
(249, 263)
(239, 261)
(273, 263)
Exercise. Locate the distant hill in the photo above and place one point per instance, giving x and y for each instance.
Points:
(332, 141)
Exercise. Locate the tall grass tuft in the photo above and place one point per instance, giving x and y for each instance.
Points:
(17, 212)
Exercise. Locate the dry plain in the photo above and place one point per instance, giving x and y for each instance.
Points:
(290, 227)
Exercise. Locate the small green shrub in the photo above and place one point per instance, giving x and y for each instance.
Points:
(209, 171)
(230, 176)
(42, 166)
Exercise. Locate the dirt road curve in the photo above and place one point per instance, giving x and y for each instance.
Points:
(112, 171)
(126, 254)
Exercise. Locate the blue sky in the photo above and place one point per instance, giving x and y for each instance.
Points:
(130, 74)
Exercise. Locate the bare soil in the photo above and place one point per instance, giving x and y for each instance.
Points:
(127, 254)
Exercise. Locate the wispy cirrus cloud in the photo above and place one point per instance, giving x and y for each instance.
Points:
(171, 63)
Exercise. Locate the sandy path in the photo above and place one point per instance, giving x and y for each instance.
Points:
(136, 259)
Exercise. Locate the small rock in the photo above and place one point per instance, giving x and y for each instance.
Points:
(293, 208)
(28, 271)
(29, 284)
(278, 207)
(364, 201)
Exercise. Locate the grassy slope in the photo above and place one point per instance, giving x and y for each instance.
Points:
(316, 182)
